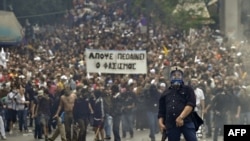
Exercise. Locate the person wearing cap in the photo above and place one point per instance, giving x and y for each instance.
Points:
(37, 131)
(43, 110)
(162, 87)
(175, 108)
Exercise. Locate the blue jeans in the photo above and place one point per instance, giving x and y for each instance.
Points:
(188, 130)
(107, 125)
(153, 124)
(22, 119)
(3, 114)
(127, 124)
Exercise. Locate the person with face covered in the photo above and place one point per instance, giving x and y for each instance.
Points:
(116, 108)
(81, 111)
(152, 100)
(219, 107)
(98, 115)
(175, 108)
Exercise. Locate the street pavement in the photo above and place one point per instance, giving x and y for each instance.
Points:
(138, 136)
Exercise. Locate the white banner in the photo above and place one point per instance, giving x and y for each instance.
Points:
(116, 61)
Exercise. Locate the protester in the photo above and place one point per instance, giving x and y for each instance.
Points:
(67, 101)
(152, 105)
(11, 108)
(116, 111)
(38, 128)
(99, 114)
(128, 112)
(175, 108)
(43, 111)
(55, 54)
(60, 130)
(107, 100)
(2, 125)
(22, 109)
(81, 112)
(220, 109)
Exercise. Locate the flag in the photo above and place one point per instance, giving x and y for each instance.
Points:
(244, 75)
(165, 50)
(3, 58)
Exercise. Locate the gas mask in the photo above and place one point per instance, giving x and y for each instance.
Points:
(176, 77)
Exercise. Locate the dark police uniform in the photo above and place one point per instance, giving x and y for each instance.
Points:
(171, 105)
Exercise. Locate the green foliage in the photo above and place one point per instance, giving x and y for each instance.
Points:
(162, 11)
(40, 11)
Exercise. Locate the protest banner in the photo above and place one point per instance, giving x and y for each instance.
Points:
(116, 61)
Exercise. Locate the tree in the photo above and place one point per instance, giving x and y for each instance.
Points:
(42, 11)
(162, 11)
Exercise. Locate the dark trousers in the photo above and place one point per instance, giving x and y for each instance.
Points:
(141, 121)
(10, 117)
(22, 119)
(30, 119)
(116, 127)
(38, 128)
(219, 121)
(82, 125)
(68, 121)
(51, 124)
(207, 118)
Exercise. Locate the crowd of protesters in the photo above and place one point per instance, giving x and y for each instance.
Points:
(46, 75)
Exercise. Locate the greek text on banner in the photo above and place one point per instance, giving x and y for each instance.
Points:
(116, 61)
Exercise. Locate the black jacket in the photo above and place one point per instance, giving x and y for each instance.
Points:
(172, 103)
(152, 99)
(117, 105)
(81, 108)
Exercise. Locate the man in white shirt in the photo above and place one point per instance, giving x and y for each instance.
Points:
(11, 109)
(200, 101)
(200, 98)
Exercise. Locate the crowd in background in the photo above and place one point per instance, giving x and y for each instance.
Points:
(53, 58)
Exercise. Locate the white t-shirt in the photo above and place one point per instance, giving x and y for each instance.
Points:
(199, 96)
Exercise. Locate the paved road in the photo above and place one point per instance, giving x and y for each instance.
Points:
(139, 136)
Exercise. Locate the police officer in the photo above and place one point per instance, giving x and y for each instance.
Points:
(175, 107)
